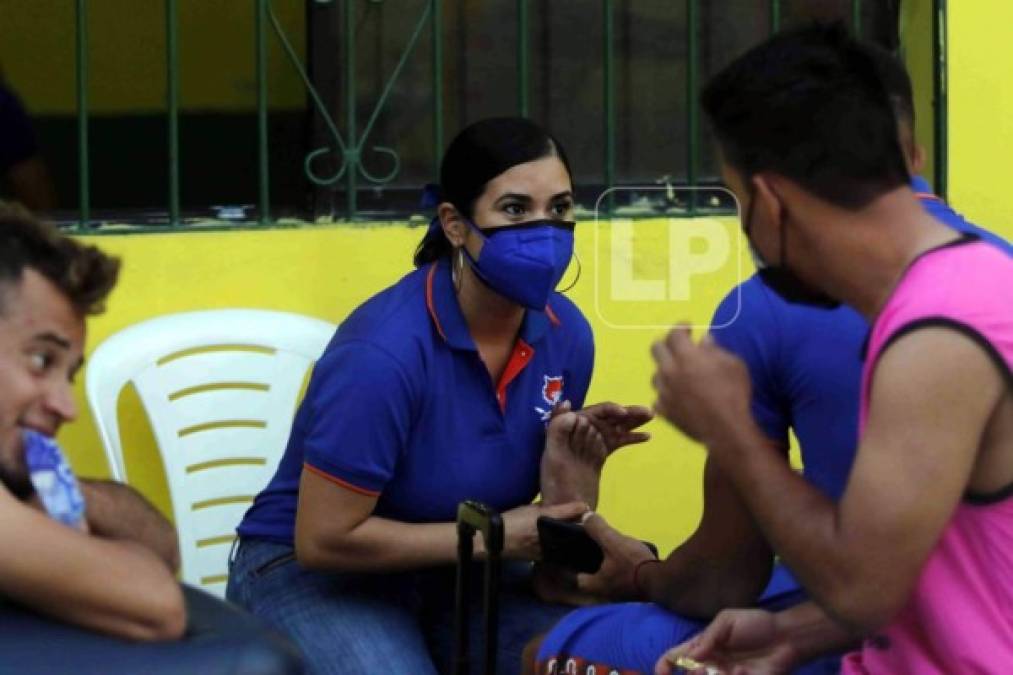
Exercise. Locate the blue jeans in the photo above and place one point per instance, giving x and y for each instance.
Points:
(220, 640)
(399, 622)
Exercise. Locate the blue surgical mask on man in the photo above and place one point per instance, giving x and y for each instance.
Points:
(524, 262)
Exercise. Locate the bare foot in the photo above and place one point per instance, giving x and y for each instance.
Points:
(575, 452)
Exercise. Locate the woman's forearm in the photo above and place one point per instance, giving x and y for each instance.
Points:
(380, 545)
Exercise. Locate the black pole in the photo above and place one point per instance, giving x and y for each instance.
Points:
(465, 533)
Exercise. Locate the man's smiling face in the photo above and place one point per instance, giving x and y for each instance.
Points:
(41, 347)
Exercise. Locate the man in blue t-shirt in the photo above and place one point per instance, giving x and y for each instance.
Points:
(805, 369)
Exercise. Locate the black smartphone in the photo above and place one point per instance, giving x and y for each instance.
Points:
(569, 545)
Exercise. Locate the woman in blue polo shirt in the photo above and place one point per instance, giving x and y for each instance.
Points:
(436, 390)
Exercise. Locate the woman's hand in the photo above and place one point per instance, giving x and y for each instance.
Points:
(616, 423)
(521, 531)
(737, 642)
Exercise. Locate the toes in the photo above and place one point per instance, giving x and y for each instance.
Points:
(580, 435)
(561, 428)
(587, 442)
(599, 447)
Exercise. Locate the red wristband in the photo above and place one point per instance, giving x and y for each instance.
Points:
(636, 575)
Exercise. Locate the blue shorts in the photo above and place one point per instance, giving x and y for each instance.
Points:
(628, 638)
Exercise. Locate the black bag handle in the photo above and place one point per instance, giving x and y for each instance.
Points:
(475, 517)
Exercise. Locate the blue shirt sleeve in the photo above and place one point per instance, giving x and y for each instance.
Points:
(745, 325)
(360, 418)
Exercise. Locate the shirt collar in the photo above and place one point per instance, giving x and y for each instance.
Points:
(447, 318)
(920, 185)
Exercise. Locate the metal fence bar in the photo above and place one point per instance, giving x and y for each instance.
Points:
(939, 97)
(609, 101)
(387, 89)
(523, 58)
(437, 36)
(318, 103)
(263, 168)
(352, 149)
(692, 116)
(172, 101)
(84, 187)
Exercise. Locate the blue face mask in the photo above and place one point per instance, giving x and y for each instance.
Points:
(524, 262)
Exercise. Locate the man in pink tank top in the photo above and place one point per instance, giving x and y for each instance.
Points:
(911, 568)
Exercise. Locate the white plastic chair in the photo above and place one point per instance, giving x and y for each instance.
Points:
(220, 389)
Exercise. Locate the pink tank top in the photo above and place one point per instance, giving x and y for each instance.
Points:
(959, 618)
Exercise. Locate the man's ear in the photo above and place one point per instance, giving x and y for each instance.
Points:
(453, 223)
(768, 200)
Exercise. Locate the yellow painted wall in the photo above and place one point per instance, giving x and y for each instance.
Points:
(916, 52)
(981, 111)
(653, 490)
(127, 55)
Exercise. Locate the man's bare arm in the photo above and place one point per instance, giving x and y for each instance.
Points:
(725, 563)
(932, 395)
(117, 511)
(113, 586)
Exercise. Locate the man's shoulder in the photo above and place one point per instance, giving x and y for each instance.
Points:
(752, 318)
(979, 304)
(945, 214)
(751, 308)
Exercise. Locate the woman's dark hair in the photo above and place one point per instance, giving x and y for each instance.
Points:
(478, 154)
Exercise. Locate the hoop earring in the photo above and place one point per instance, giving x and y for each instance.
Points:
(457, 268)
(579, 269)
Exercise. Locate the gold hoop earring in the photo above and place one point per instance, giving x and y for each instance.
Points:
(577, 278)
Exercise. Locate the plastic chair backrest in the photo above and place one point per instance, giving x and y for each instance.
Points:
(220, 389)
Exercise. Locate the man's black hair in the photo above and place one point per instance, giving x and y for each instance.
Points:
(811, 105)
(896, 82)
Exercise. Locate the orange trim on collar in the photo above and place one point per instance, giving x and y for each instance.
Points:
(340, 483)
(552, 317)
(429, 301)
(929, 197)
(519, 359)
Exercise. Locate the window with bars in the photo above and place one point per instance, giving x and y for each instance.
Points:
(346, 105)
